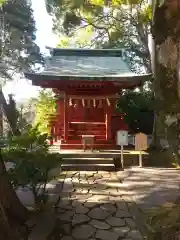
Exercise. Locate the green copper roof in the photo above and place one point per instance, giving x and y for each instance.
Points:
(80, 52)
(87, 64)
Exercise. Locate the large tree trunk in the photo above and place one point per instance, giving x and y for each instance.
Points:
(166, 33)
(9, 115)
(12, 213)
(1, 121)
(157, 129)
(156, 135)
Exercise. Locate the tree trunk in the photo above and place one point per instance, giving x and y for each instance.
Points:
(156, 136)
(13, 214)
(157, 130)
(166, 33)
(9, 116)
(1, 121)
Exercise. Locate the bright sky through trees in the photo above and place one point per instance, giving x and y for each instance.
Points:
(20, 87)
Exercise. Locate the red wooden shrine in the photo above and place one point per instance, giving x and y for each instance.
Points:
(87, 84)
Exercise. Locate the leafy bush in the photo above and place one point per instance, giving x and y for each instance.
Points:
(32, 163)
(138, 108)
(45, 107)
(29, 141)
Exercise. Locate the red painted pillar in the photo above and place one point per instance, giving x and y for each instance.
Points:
(66, 125)
(108, 125)
(108, 122)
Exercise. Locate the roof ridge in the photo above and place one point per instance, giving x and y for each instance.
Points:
(87, 52)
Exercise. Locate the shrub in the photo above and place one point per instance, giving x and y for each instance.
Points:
(32, 163)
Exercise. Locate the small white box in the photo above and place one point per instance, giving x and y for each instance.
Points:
(122, 138)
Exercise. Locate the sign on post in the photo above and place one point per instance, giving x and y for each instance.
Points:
(122, 140)
(141, 144)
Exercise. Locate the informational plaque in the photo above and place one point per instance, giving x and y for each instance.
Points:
(122, 138)
(141, 144)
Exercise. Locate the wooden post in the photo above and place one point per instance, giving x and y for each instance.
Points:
(122, 157)
(65, 118)
(140, 159)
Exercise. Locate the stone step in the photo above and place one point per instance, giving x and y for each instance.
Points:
(79, 137)
(87, 167)
(88, 160)
(103, 146)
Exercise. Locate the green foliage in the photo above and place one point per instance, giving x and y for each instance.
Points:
(139, 111)
(17, 48)
(45, 107)
(118, 24)
(2, 2)
(163, 222)
(32, 163)
(19, 118)
(29, 140)
(13, 116)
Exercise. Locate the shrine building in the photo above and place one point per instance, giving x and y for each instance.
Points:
(87, 84)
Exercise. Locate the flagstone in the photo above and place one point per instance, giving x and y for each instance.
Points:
(115, 222)
(98, 213)
(83, 232)
(79, 219)
(123, 214)
(106, 235)
(99, 224)
(92, 208)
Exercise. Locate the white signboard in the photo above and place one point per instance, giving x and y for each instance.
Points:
(122, 138)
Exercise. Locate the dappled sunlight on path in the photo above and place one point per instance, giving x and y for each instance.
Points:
(92, 207)
(107, 205)
(151, 186)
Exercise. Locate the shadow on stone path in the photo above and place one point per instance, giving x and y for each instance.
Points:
(92, 207)
(107, 205)
(150, 187)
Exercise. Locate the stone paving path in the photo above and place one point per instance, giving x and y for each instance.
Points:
(92, 208)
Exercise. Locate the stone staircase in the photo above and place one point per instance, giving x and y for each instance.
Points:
(88, 164)
(76, 160)
(85, 161)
